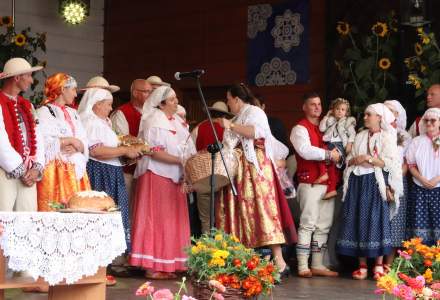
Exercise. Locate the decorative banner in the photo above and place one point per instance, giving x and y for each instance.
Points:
(278, 43)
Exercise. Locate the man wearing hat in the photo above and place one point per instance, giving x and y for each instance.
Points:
(156, 81)
(203, 137)
(21, 145)
(126, 119)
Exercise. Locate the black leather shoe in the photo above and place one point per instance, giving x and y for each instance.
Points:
(283, 274)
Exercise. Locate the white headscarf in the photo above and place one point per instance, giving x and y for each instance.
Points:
(401, 118)
(89, 99)
(385, 113)
(151, 114)
(430, 113)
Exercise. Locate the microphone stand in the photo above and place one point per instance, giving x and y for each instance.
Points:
(213, 149)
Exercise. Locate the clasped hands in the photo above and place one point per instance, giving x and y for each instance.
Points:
(430, 184)
(71, 145)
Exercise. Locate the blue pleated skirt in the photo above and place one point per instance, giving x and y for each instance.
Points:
(110, 179)
(398, 223)
(365, 228)
(424, 214)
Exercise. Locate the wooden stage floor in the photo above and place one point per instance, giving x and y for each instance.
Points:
(342, 288)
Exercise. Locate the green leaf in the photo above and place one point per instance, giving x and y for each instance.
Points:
(363, 68)
(435, 76)
(419, 92)
(352, 54)
(382, 94)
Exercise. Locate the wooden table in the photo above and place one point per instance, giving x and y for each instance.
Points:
(87, 288)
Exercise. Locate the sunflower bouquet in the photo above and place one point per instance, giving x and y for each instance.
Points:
(221, 257)
(424, 65)
(366, 63)
(23, 44)
(415, 273)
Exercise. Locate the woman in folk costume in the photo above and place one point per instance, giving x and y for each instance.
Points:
(398, 223)
(259, 215)
(372, 188)
(160, 220)
(65, 142)
(104, 168)
(423, 157)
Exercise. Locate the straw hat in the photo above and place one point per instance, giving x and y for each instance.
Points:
(157, 81)
(101, 82)
(17, 66)
(220, 106)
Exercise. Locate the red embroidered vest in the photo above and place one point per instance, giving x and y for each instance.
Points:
(205, 136)
(309, 170)
(133, 117)
(11, 110)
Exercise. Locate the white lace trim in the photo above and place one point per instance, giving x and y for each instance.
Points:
(57, 246)
(257, 19)
(287, 30)
(276, 72)
(160, 260)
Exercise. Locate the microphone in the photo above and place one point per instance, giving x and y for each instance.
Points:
(193, 74)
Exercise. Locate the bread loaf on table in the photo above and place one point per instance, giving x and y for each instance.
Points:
(91, 200)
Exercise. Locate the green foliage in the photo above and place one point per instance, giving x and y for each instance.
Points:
(23, 44)
(219, 256)
(366, 65)
(424, 66)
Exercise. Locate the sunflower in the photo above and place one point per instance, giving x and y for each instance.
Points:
(384, 64)
(7, 20)
(343, 28)
(380, 29)
(415, 81)
(20, 39)
(418, 49)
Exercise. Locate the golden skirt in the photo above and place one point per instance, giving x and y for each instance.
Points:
(58, 184)
(253, 216)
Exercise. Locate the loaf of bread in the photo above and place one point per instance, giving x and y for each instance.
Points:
(91, 200)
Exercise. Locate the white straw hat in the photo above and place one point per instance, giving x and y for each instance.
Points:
(102, 83)
(220, 106)
(157, 80)
(17, 66)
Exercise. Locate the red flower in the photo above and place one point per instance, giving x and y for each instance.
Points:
(428, 263)
(269, 268)
(236, 262)
(251, 265)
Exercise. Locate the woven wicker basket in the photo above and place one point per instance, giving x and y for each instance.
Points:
(198, 170)
(202, 291)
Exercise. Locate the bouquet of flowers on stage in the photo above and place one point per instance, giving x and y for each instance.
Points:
(222, 258)
(415, 273)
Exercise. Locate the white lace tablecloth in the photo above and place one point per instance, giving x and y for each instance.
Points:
(61, 246)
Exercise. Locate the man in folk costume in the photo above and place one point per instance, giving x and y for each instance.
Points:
(126, 119)
(316, 214)
(432, 101)
(203, 136)
(21, 145)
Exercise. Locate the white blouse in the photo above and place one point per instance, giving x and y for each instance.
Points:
(100, 133)
(250, 115)
(421, 153)
(55, 127)
(175, 141)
